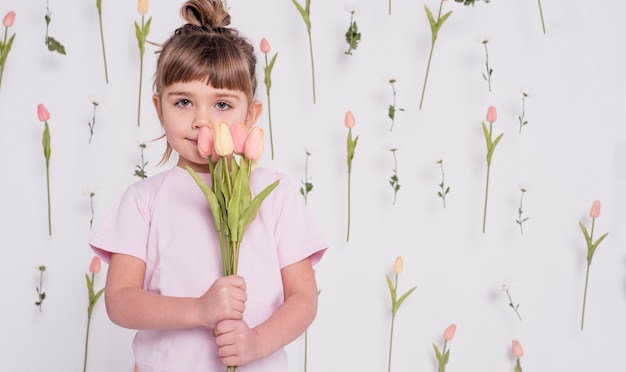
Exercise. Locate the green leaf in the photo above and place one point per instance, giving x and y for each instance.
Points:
(54, 45)
(586, 234)
(392, 292)
(209, 195)
(437, 352)
(251, 212)
(404, 296)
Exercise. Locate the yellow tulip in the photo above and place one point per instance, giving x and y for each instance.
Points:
(142, 7)
(223, 139)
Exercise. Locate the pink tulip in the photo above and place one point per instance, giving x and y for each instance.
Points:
(205, 141)
(239, 132)
(94, 268)
(518, 352)
(223, 140)
(265, 46)
(42, 113)
(254, 144)
(492, 115)
(349, 120)
(595, 209)
(449, 332)
(9, 19)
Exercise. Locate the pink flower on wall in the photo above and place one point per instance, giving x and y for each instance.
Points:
(491, 146)
(305, 12)
(591, 249)
(444, 355)
(395, 300)
(350, 123)
(43, 115)
(141, 33)
(265, 48)
(94, 268)
(518, 353)
(5, 45)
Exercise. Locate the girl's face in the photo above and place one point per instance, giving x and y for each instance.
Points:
(185, 107)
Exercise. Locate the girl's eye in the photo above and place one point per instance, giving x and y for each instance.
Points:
(183, 103)
(222, 105)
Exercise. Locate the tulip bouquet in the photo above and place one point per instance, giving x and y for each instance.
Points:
(5, 46)
(591, 248)
(491, 146)
(395, 301)
(44, 116)
(229, 196)
(444, 355)
(94, 296)
(141, 32)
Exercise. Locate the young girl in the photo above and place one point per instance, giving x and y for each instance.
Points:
(165, 274)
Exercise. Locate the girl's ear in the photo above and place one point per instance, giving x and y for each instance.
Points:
(156, 101)
(254, 112)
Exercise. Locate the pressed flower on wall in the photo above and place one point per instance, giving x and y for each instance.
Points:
(52, 44)
(140, 170)
(591, 249)
(391, 111)
(353, 36)
(443, 189)
(306, 185)
(470, 2)
(435, 26)
(518, 353)
(265, 48)
(141, 32)
(505, 288)
(5, 45)
(92, 123)
(395, 301)
(306, 17)
(491, 146)
(40, 293)
(104, 53)
(94, 296)
(543, 25)
(444, 355)
(484, 40)
(91, 194)
(394, 181)
(349, 123)
(44, 116)
(520, 211)
(522, 117)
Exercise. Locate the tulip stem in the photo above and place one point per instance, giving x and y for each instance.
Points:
(348, 234)
(582, 320)
(541, 14)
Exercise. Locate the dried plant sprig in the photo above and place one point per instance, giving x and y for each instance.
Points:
(40, 293)
(104, 53)
(353, 36)
(591, 249)
(522, 117)
(92, 123)
(91, 194)
(435, 26)
(52, 44)
(5, 45)
(395, 301)
(443, 189)
(394, 181)
(488, 70)
(391, 111)
(520, 219)
(305, 12)
(141, 168)
(307, 186)
(505, 288)
(265, 48)
(141, 32)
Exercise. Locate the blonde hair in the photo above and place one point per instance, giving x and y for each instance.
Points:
(206, 49)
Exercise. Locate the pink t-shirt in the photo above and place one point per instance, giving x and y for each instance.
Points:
(166, 222)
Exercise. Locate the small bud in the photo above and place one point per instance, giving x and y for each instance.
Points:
(595, 209)
(42, 113)
(492, 115)
(142, 7)
(518, 352)
(94, 268)
(349, 120)
(265, 46)
(9, 19)
(449, 332)
(397, 265)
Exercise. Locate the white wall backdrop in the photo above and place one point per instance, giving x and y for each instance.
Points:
(571, 152)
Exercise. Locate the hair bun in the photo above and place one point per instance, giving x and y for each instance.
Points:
(209, 14)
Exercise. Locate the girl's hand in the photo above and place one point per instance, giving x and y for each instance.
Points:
(225, 299)
(237, 343)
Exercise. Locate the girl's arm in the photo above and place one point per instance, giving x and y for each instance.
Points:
(240, 345)
(130, 306)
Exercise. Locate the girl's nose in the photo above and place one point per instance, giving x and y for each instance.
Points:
(201, 119)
